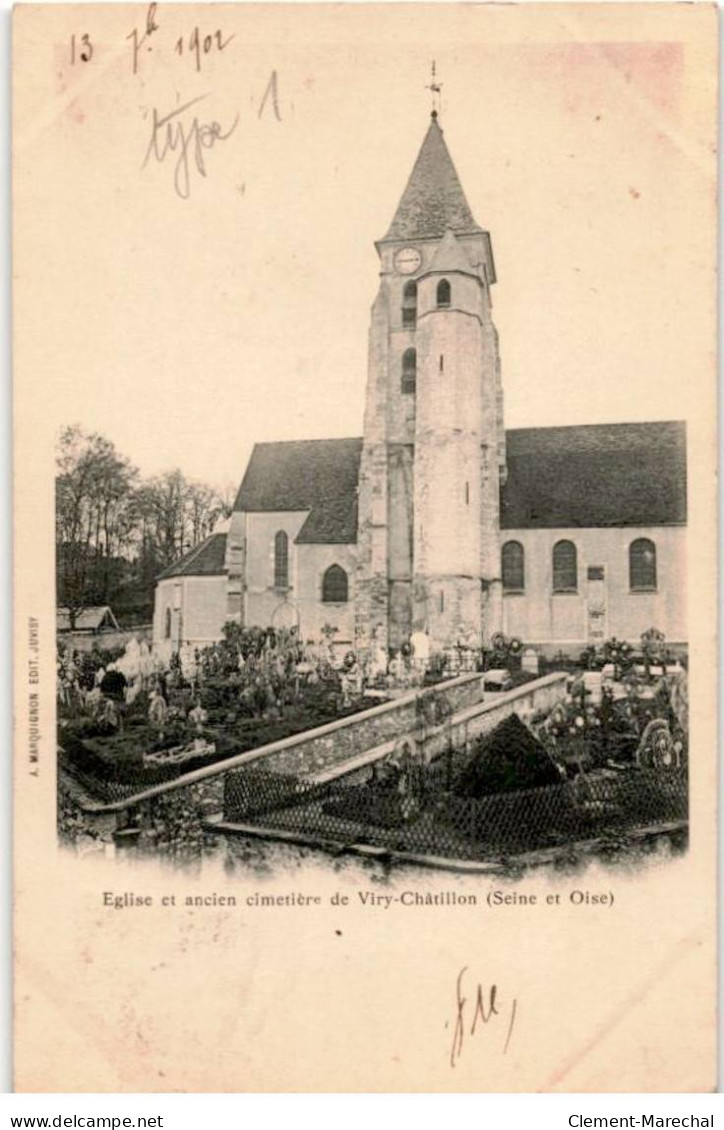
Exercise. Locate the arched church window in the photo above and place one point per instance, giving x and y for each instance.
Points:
(167, 628)
(409, 305)
(281, 560)
(565, 567)
(335, 587)
(409, 370)
(642, 565)
(513, 567)
(444, 293)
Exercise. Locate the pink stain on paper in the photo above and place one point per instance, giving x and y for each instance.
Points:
(66, 78)
(75, 113)
(651, 72)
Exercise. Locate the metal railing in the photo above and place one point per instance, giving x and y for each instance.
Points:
(426, 815)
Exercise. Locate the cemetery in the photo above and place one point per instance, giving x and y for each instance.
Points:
(132, 721)
(456, 558)
(465, 758)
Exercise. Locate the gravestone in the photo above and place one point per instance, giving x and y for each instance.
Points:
(420, 644)
(530, 662)
(593, 682)
(497, 680)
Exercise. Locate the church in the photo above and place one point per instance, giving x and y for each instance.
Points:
(438, 520)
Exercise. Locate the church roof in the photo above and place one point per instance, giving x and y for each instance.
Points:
(595, 475)
(433, 199)
(316, 475)
(204, 560)
(331, 522)
(582, 476)
(450, 255)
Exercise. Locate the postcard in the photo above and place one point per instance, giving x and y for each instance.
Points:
(365, 527)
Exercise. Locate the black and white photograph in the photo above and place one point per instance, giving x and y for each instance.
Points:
(443, 640)
(365, 525)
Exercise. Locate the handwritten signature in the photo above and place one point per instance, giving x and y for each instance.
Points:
(487, 1007)
(187, 141)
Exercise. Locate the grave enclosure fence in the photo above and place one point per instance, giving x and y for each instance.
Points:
(427, 817)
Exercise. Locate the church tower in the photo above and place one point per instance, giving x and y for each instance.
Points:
(433, 455)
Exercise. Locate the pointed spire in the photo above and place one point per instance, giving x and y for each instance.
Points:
(433, 199)
(450, 255)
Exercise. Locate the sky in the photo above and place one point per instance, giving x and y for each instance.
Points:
(187, 329)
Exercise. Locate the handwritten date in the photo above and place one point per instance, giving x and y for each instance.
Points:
(196, 46)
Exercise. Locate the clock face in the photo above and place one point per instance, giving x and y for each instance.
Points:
(407, 260)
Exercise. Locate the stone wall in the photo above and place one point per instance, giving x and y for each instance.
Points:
(371, 583)
(312, 562)
(340, 741)
(167, 822)
(198, 607)
(464, 725)
(532, 698)
(235, 565)
(107, 641)
(560, 621)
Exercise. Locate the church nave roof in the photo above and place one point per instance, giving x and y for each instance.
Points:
(319, 475)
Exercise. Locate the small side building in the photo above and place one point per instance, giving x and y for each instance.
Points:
(190, 605)
(88, 622)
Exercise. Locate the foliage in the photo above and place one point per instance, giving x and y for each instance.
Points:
(436, 665)
(174, 515)
(591, 659)
(94, 517)
(504, 651)
(620, 653)
(114, 531)
(87, 663)
(584, 735)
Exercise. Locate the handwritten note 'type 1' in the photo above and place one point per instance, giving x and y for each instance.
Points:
(180, 136)
(180, 133)
(187, 139)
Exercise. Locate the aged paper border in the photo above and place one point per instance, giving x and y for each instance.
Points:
(105, 1048)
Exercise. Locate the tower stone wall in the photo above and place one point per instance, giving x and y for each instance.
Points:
(372, 586)
(434, 445)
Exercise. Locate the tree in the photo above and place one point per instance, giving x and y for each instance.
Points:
(175, 516)
(115, 532)
(95, 517)
(204, 508)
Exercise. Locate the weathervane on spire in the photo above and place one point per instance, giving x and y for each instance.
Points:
(436, 90)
